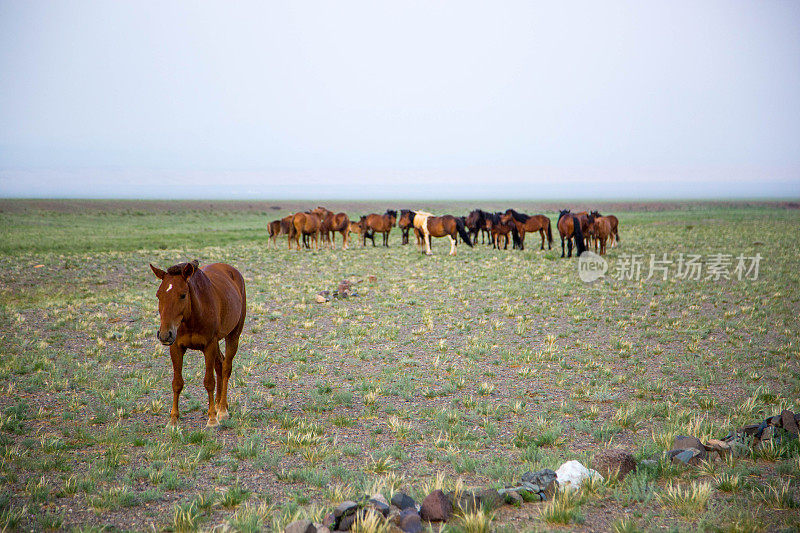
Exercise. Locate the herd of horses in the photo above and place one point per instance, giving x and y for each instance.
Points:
(199, 307)
(318, 227)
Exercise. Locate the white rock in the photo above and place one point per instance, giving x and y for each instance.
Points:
(572, 473)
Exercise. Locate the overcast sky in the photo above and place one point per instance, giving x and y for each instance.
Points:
(400, 99)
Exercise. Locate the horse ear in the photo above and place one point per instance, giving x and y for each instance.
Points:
(189, 269)
(158, 272)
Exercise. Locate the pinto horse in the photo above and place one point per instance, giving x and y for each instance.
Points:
(569, 227)
(525, 223)
(381, 224)
(198, 308)
(443, 226)
(331, 223)
(304, 224)
(614, 222)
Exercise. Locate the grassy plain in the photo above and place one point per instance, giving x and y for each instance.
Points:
(479, 367)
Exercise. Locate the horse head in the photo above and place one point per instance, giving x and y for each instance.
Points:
(174, 303)
(392, 214)
(562, 213)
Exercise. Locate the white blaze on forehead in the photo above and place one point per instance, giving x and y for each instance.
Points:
(169, 288)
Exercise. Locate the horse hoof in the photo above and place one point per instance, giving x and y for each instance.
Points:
(222, 414)
(172, 424)
(212, 423)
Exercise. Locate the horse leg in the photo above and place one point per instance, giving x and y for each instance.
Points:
(176, 354)
(562, 246)
(231, 346)
(541, 232)
(218, 372)
(452, 245)
(569, 247)
(210, 353)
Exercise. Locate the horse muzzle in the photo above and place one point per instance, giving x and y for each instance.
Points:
(168, 339)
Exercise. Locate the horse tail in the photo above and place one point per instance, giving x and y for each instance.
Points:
(462, 232)
(515, 237)
(616, 233)
(580, 245)
(549, 232)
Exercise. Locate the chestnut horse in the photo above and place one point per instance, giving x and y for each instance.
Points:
(525, 223)
(600, 229)
(331, 223)
(277, 228)
(443, 226)
(198, 308)
(362, 231)
(569, 227)
(304, 224)
(614, 221)
(381, 224)
(476, 223)
(498, 228)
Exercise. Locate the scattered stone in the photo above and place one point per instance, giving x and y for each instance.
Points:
(410, 521)
(572, 474)
(378, 497)
(301, 526)
(436, 507)
(344, 509)
(346, 522)
(379, 506)
(789, 423)
(512, 497)
(615, 461)
(344, 286)
(329, 521)
(721, 448)
(403, 501)
(322, 297)
(690, 456)
(546, 479)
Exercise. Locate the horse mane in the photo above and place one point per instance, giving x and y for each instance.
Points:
(562, 213)
(519, 217)
(177, 270)
(391, 213)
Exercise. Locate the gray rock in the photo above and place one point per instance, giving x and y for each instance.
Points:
(379, 506)
(546, 480)
(403, 501)
(436, 507)
(788, 422)
(301, 526)
(345, 508)
(380, 498)
(512, 497)
(409, 521)
(689, 456)
(329, 521)
(346, 522)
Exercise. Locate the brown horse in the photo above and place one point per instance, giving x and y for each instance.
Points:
(331, 223)
(614, 221)
(198, 308)
(361, 230)
(381, 224)
(600, 230)
(526, 223)
(277, 228)
(499, 229)
(570, 227)
(304, 224)
(443, 226)
(406, 224)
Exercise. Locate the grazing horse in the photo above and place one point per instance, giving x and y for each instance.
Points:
(443, 226)
(406, 224)
(198, 308)
(614, 221)
(569, 227)
(600, 229)
(381, 224)
(525, 223)
(304, 224)
(331, 223)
